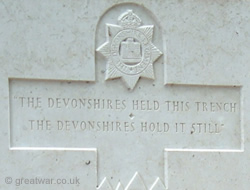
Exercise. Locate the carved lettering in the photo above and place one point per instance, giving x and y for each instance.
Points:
(216, 106)
(173, 118)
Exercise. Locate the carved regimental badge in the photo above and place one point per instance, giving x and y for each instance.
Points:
(129, 50)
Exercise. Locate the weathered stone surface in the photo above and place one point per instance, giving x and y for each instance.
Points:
(124, 95)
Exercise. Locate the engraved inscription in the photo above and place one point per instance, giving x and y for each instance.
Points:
(44, 109)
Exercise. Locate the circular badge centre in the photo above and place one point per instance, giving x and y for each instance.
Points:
(130, 50)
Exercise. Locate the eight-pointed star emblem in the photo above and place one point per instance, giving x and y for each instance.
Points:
(129, 50)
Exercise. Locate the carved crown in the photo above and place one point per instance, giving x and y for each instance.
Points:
(129, 20)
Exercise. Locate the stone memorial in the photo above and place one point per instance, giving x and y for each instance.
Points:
(124, 95)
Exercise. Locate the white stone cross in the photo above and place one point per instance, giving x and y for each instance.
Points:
(123, 107)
